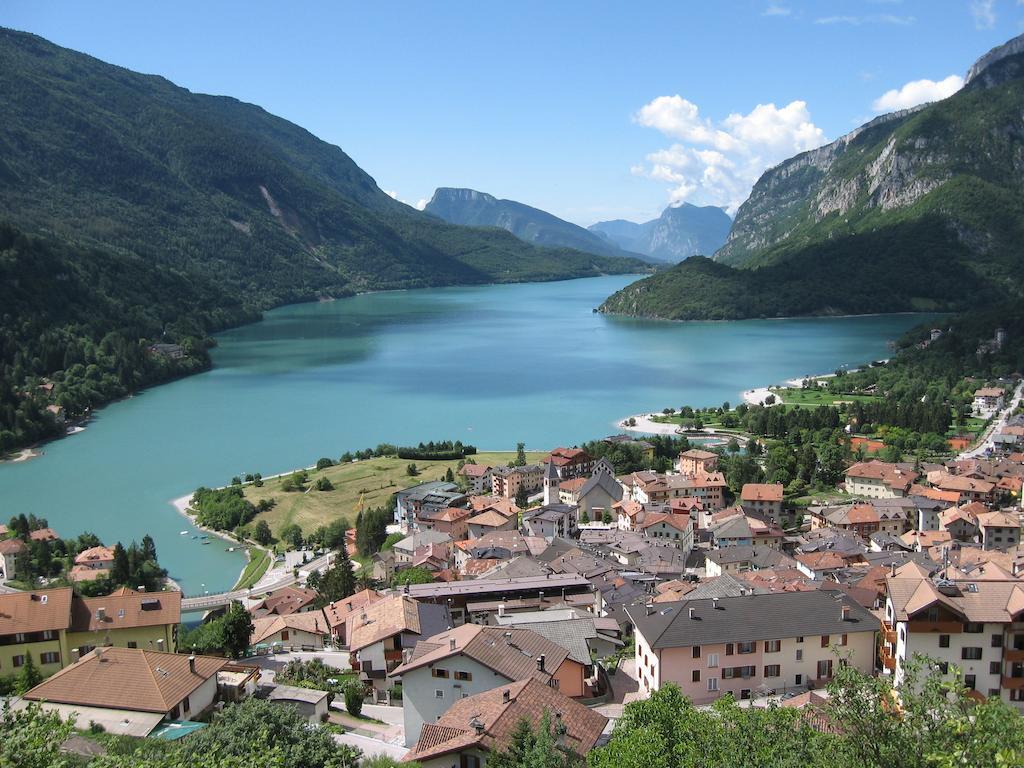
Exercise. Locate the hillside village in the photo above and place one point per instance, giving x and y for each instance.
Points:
(560, 586)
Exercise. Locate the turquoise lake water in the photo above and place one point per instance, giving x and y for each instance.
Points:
(488, 365)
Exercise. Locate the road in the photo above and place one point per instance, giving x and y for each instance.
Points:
(272, 579)
(997, 424)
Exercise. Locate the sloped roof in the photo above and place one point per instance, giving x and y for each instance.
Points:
(761, 492)
(338, 612)
(127, 678)
(268, 626)
(487, 720)
(125, 608)
(37, 611)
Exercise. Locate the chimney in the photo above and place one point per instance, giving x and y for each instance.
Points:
(501, 609)
(714, 603)
(101, 614)
(160, 644)
(693, 613)
(892, 569)
(451, 643)
(540, 663)
(846, 613)
(192, 664)
(477, 725)
(406, 655)
(74, 655)
(506, 696)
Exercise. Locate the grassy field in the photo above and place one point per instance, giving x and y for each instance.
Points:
(258, 564)
(817, 397)
(373, 480)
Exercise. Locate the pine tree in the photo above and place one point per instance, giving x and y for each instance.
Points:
(29, 675)
(120, 571)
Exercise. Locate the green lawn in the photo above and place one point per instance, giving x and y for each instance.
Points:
(258, 563)
(372, 480)
(817, 397)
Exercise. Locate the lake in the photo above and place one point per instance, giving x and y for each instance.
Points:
(489, 365)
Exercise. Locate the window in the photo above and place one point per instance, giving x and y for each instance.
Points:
(997, 641)
(50, 657)
(132, 644)
(438, 693)
(943, 641)
(772, 670)
(745, 693)
(460, 675)
(284, 634)
(19, 637)
(49, 634)
(772, 646)
(995, 667)
(469, 761)
(728, 649)
(696, 651)
(712, 660)
(712, 683)
(825, 668)
(944, 667)
(799, 654)
(746, 647)
(438, 672)
(798, 680)
(993, 692)
(969, 681)
(184, 705)
(824, 640)
(729, 673)
(800, 638)
(973, 654)
(974, 627)
(843, 640)
(695, 677)
(18, 661)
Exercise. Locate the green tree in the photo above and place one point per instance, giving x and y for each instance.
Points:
(261, 533)
(355, 693)
(323, 484)
(236, 631)
(338, 581)
(522, 498)
(120, 571)
(31, 738)
(292, 535)
(411, 470)
(520, 455)
(449, 476)
(28, 676)
(412, 576)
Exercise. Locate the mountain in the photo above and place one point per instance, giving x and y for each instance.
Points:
(680, 232)
(479, 209)
(175, 214)
(917, 210)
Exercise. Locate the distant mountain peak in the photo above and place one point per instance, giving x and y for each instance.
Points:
(682, 230)
(1010, 48)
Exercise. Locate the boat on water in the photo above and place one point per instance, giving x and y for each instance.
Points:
(184, 533)
(204, 542)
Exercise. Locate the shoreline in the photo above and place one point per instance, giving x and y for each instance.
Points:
(181, 505)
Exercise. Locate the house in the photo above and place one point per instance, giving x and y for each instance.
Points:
(988, 401)
(597, 497)
(126, 618)
(968, 488)
(339, 612)
(507, 482)
(551, 521)
(763, 498)
(43, 534)
(450, 520)
(484, 723)
(999, 530)
(742, 558)
(310, 703)
(130, 691)
(819, 565)
(677, 529)
(36, 624)
(697, 462)
(646, 449)
(962, 522)
(170, 351)
(92, 563)
(879, 480)
(862, 519)
(973, 625)
(780, 641)
(383, 568)
(461, 662)
(284, 602)
(585, 636)
(405, 549)
(12, 554)
(293, 631)
(477, 478)
(489, 522)
(381, 630)
(424, 500)
(571, 462)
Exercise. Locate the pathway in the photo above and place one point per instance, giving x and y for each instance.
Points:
(987, 444)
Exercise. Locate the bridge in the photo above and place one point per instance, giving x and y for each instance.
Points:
(212, 601)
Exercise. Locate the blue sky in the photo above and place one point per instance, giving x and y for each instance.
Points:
(591, 110)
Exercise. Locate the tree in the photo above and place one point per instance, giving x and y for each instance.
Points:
(120, 571)
(733, 446)
(236, 629)
(323, 484)
(354, 696)
(28, 676)
(32, 738)
(415, 575)
(261, 533)
(411, 470)
(533, 748)
(449, 476)
(522, 498)
(324, 463)
(292, 535)
(148, 548)
(520, 455)
(339, 581)
(606, 517)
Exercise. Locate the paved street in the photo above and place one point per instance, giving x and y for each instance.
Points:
(987, 444)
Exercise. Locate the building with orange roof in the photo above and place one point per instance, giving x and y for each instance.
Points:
(763, 498)
(879, 480)
(340, 611)
(477, 477)
(696, 462)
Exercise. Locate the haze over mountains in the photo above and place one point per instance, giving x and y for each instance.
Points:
(917, 210)
(471, 208)
(680, 232)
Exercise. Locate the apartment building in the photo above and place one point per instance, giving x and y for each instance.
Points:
(749, 644)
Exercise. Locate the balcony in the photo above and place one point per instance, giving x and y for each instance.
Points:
(942, 627)
(888, 633)
(887, 657)
(1013, 654)
(1012, 683)
(395, 655)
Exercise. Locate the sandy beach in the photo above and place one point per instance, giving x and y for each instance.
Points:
(645, 425)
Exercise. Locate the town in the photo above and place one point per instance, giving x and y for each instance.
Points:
(552, 588)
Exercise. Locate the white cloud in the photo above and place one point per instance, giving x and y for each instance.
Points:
(421, 203)
(917, 92)
(984, 13)
(717, 164)
(776, 10)
(856, 21)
